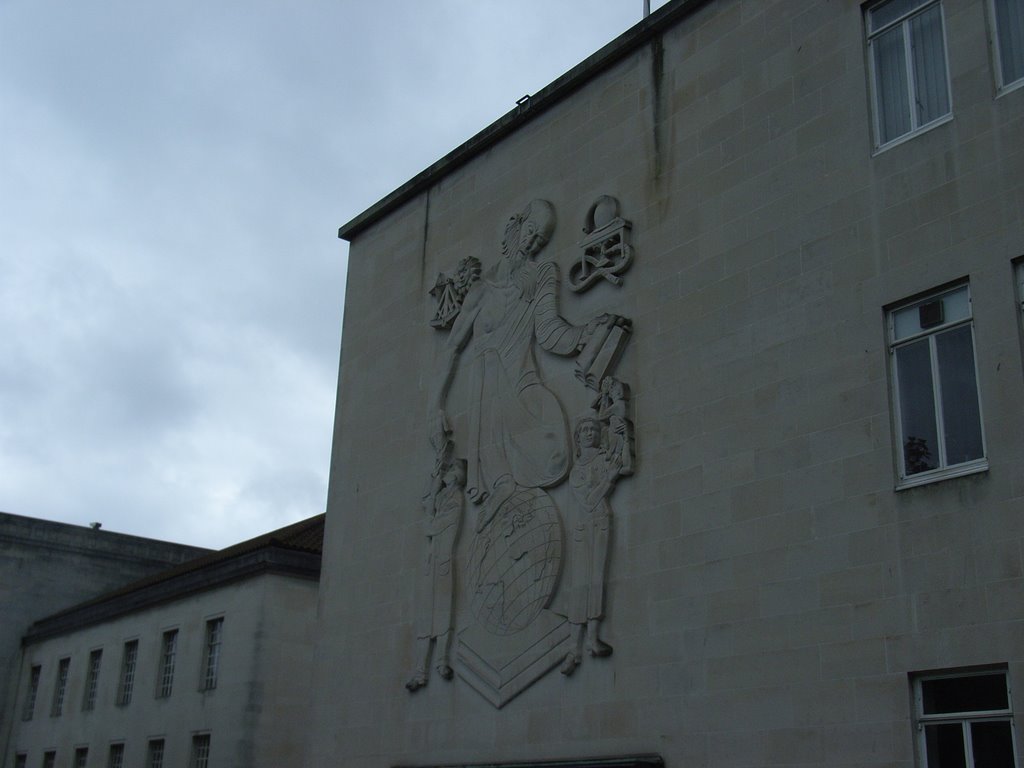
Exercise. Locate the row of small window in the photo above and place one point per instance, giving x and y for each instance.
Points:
(126, 679)
(963, 719)
(909, 72)
(199, 755)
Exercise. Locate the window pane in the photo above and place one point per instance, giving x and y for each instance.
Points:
(962, 421)
(891, 85)
(1010, 32)
(929, 65)
(973, 693)
(992, 745)
(886, 13)
(945, 746)
(917, 407)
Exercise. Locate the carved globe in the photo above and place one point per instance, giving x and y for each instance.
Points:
(514, 562)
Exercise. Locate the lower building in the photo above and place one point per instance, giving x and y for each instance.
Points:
(206, 663)
(46, 567)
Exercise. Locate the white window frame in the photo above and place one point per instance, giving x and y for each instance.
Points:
(199, 756)
(34, 676)
(92, 679)
(60, 686)
(870, 36)
(944, 471)
(115, 755)
(212, 644)
(964, 718)
(168, 659)
(129, 665)
(155, 750)
(997, 57)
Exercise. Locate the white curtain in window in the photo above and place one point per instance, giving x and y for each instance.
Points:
(1010, 32)
(891, 85)
(929, 52)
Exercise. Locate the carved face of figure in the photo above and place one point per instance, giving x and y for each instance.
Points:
(588, 434)
(528, 232)
(456, 475)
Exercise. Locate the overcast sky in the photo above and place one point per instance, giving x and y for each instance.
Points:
(172, 177)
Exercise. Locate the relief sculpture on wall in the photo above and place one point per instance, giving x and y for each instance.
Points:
(443, 506)
(518, 449)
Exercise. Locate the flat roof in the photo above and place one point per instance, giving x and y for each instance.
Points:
(628, 42)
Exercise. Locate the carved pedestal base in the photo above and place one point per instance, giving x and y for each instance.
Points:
(500, 668)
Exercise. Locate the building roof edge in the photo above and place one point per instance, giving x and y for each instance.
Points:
(625, 44)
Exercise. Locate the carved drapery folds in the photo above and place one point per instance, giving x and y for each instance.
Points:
(522, 616)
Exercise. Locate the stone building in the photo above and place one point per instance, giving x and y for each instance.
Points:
(203, 664)
(46, 567)
(680, 412)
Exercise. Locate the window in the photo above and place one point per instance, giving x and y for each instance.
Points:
(59, 687)
(211, 661)
(165, 675)
(33, 690)
(935, 388)
(81, 757)
(92, 680)
(155, 754)
(1008, 42)
(907, 55)
(964, 719)
(127, 683)
(49, 759)
(21, 760)
(116, 757)
(200, 757)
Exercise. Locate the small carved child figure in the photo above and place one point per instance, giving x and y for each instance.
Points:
(612, 407)
(593, 478)
(444, 508)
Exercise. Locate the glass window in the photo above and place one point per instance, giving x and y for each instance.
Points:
(49, 759)
(20, 760)
(1008, 16)
(909, 79)
(155, 754)
(965, 719)
(168, 653)
(59, 687)
(33, 691)
(92, 678)
(81, 757)
(200, 757)
(127, 682)
(211, 661)
(116, 757)
(938, 415)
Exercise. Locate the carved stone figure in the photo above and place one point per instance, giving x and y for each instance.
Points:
(612, 407)
(517, 445)
(517, 432)
(444, 509)
(598, 467)
(606, 249)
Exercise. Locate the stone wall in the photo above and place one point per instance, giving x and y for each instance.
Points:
(771, 592)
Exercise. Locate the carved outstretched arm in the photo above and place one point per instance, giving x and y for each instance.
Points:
(554, 333)
(460, 334)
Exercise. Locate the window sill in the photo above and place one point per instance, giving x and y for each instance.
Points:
(946, 473)
(913, 134)
(1014, 86)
